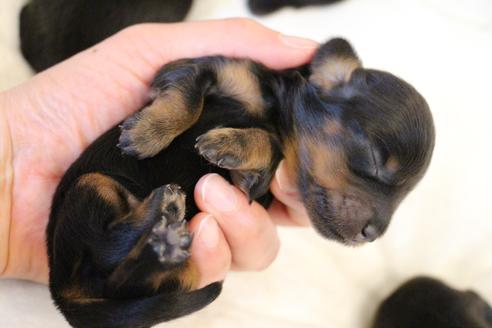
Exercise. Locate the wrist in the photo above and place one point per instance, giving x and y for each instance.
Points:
(6, 183)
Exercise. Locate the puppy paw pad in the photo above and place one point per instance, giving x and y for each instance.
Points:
(170, 241)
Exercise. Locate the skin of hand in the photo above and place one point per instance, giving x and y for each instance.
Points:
(55, 115)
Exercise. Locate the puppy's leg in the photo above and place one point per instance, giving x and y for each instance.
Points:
(159, 259)
(252, 155)
(178, 95)
(177, 100)
(140, 246)
(120, 262)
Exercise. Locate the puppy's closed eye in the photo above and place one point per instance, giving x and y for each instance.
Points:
(371, 161)
(366, 158)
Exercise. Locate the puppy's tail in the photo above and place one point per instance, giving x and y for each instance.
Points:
(136, 313)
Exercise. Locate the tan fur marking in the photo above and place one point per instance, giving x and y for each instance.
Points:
(188, 277)
(328, 166)
(291, 160)
(77, 295)
(73, 292)
(252, 146)
(392, 164)
(236, 80)
(334, 71)
(161, 122)
(111, 191)
(333, 127)
(259, 150)
(107, 188)
(103, 185)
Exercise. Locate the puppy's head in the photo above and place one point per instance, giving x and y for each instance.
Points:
(364, 138)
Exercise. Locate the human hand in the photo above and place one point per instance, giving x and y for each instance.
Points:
(59, 112)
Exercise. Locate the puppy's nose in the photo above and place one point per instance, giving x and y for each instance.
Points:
(370, 233)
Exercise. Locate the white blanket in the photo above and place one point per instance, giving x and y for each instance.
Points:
(444, 228)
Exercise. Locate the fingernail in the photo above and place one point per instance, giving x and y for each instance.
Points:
(208, 232)
(283, 179)
(219, 193)
(297, 42)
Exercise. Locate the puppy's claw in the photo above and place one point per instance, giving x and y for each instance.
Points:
(129, 122)
(250, 183)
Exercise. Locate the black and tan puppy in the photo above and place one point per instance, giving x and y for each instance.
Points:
(355, 140)
(428, 303)
(53, 30)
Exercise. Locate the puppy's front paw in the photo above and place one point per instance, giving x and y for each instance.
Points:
(169, 237)
(221, 147)
(141, 136)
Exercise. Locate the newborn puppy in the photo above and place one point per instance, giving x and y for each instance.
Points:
(53, 30)
(355, 140)
(428, 303)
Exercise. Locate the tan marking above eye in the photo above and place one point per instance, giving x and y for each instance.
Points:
(392, 164)
(236, 79)
(334, 71)
(333, 127)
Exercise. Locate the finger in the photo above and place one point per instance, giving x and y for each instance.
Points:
(250, 40)
(250, 233)
(289, 210)
(209, 249)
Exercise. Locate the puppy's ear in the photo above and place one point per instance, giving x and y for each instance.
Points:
(333, 64)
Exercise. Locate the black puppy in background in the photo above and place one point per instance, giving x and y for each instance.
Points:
(263, 7)
(429, 303)
(53, 30)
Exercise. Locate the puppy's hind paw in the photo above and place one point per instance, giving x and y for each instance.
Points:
(170, 241)
(169, 237)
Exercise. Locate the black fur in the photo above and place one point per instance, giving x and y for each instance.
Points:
(53, 30)
(429, 303)
(263, 7)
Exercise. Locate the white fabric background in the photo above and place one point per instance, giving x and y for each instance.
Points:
(444, 228)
